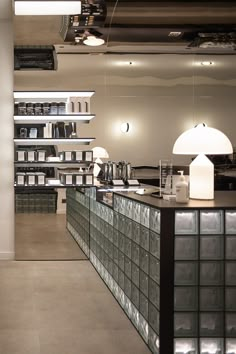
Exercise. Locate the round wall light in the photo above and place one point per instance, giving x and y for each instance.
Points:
(124, 127)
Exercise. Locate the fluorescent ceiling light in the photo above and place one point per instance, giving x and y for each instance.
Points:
(47, 7)
(94, 41)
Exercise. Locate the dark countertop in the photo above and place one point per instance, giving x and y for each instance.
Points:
(223, 199)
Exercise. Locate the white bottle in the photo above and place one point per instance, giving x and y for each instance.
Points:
(182, 195)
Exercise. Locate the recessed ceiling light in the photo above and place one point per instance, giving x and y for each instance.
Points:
(93, 41)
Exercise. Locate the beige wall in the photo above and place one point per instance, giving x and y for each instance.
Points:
(159, 95)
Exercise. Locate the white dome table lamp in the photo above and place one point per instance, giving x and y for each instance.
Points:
(98, 154)
(199, 141)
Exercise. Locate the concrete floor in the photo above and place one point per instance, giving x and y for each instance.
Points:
(61, 307)
(44, 237)
(58, 307)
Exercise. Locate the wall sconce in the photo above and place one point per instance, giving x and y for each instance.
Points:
(199, 141)
(44, 7)
(124, 127)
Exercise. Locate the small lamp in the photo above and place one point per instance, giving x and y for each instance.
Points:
(199, 141)
(98, 153)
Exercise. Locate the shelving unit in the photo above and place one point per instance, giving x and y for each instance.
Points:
(75, 99)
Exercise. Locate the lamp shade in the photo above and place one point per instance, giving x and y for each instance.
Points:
(100, 152)
(202, 139)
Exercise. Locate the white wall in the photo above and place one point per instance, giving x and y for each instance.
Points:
(6, 142)
(159, 95)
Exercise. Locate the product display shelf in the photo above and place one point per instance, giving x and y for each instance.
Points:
(61, 164)
(53, 141)
(43, 119)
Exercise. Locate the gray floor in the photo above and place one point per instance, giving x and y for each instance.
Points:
(44, 237)
(58, 307)
(61, 307)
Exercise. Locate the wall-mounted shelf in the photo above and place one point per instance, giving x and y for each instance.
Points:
(50, 186)
(22, 95)
(67, 164)
(76, 117)
(46, 141)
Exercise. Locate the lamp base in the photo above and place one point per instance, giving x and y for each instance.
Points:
(96, 167)
(201, 178)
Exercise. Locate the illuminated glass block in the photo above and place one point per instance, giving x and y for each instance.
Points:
(211, 247)
(136, 212)
(230, 296)
(144, 215)
(231, 325)
(186, 247)
(136, 229)
(186, 298)
(186, 222)
(128, 228)
(211, 222)
(155, 244)
(211, 298)
(231, 346)
(154, 293)
(154, 269)
(153, 341)
(186, 273)
(155, 220)
(185, 324)
(211, 346)
(211, 324)
(129, 208)
(230, 222)
(185, 346)
(143, 328)
(144, 260)
(144, 238)
(143, 305)
(153, 317)
(211, 273)
(231, 247)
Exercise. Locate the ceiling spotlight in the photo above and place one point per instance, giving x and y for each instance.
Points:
(93, 41)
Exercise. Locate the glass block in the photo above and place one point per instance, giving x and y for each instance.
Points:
(231, 325)
(211, 298)
(121, 242)
(230, 247)
(136, 230)
(115, 272)
(211, 324)
(211, 346)
(110, 216)
(143, 328)
(115, 254)
(136, 212)
(116, 202)
(185, 346)
(155, 220)
(135, 253)
(110, 233)
(230, 222)
(122, 223)
(154, 293)
(154, 269)
(121, 279)
(186, 273)
(135, 274)
(186, 247)
(143, 305)
(144, 260)
(144, 238)
(185, 324)
(153, 317)
(115, 237)
(135, 316)
(211, 273)
(230, 296)
(116, 220)
(211, 247)
(230, 273)
(122, 205)
(154, 244)
(135, 295)
(153, 341)
(211, 222)
(129, 208)
(231, 346)
(128, 228)
(143, 280)
(128, 267)
(186, 298)
(144, 215)
(127, 247)
(121, 260)
(186, 222)
(127, 288)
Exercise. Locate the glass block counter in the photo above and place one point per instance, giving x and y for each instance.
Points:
(171, 267)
